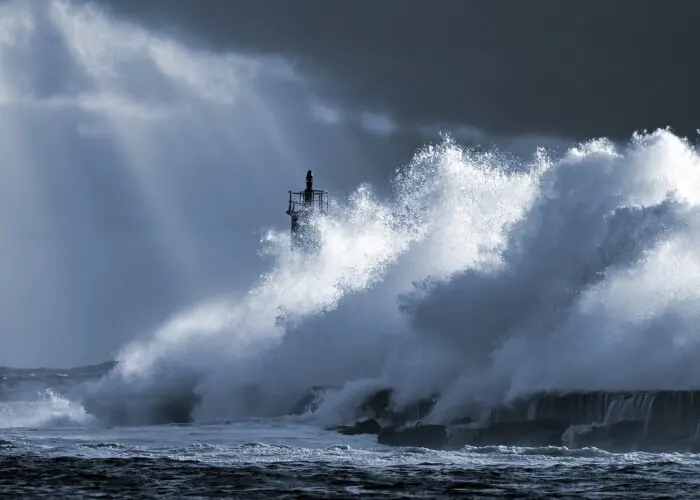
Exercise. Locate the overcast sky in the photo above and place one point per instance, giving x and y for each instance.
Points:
(137, 176)
(575, 68)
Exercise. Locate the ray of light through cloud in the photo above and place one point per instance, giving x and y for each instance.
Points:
(184, 141)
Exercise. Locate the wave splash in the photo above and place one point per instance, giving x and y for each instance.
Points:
(47, 409)
(484, 279)
(237, 345)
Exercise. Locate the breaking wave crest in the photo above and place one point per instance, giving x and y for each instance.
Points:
(483, 279)
(47, 409)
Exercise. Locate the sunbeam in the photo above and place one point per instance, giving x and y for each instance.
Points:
(133, 152)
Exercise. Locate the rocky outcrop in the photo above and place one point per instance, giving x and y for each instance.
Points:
(620, 436)
(368, 426)
(422, 436)
(532, 433)
(311, 400)
(615, 421)
(145, 409)
(380, 406)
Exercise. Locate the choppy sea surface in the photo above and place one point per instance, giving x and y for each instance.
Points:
(50, 447)
(287, 459)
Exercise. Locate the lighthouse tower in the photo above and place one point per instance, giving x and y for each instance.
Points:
(303, 207)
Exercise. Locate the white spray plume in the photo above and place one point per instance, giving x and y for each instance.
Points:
(482, 278)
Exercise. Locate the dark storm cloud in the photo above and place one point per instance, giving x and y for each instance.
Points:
(604, 67)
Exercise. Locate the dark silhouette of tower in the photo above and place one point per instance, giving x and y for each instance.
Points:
(303, 205)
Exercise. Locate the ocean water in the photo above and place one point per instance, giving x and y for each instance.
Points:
(257, 459)
(483, 277)
(49, 447)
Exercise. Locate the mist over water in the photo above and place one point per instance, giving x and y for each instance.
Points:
(483, 276)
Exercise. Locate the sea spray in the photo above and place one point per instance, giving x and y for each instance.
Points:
(46, 409)
(479, 281)
(369, 248)
(558, 274)
(557, 315)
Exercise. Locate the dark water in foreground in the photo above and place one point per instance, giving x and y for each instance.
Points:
(260, 459)
(51, 448)
(144, 477)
